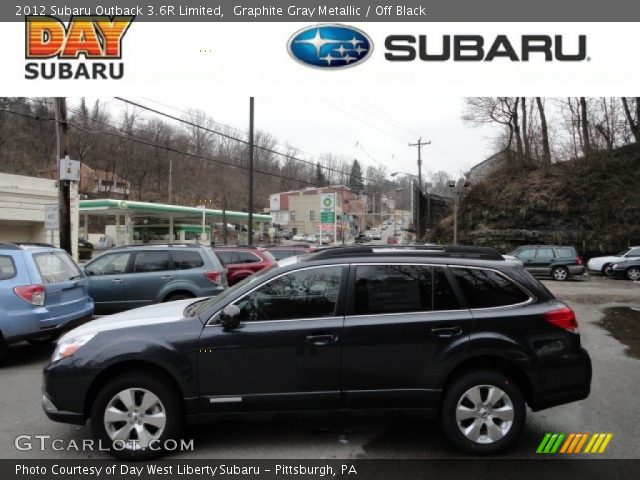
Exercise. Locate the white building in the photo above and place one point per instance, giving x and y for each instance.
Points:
(22, 210)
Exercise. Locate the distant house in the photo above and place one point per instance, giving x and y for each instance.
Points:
(485, 168)
(95, 183)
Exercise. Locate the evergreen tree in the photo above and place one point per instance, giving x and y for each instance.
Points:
(356, 182)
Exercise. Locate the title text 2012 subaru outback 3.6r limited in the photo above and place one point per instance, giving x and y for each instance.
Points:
(455, 330)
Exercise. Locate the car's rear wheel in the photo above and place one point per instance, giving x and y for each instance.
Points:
(178, 296)
(483, 412)
(560, 274)
(633, 274)
(134, 415)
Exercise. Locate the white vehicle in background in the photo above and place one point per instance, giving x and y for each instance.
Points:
(514, 260)
(375, 234)
(312, 238)
(104, 243)
(298, 238)
(603, 264)
(324, 240)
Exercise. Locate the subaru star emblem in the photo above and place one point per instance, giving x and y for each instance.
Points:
(330, 46)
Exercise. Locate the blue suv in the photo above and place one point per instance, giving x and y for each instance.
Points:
(42, 291)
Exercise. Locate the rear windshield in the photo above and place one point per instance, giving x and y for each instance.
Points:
(7, 267)
(186, 259)
(55, 267)
(280, 254)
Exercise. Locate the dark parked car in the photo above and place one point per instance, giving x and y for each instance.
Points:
(361, 238)
(456, 331)
(286, 251)
(629, 269)
(135, 276)
(85, 249)
(558, 261)
(243, 261)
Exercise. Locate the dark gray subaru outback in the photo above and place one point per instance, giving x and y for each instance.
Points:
(456, 331)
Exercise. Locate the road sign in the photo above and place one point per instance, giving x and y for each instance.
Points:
(324, 227)
(51, 217)
(327, 217)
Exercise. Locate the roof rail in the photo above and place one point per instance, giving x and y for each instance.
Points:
(237, 246)
(20, 245)
(453, 251)
(162, 245)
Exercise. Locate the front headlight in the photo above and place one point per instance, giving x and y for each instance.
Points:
(69, 347)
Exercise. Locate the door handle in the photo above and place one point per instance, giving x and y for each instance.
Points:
(446, 332)
(116, 281)
(167, 277)
(321, 339)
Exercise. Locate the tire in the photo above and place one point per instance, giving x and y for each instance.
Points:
(633, 274)
(125, 441)
(4, 349)
(560, 274)
(457, 412)
(172, 297)
(606, 270)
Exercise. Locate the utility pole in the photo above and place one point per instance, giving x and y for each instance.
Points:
(419, 144)
(250, 210)
(64, 186)
(170, 178)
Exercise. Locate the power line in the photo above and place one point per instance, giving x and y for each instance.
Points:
(230, 137)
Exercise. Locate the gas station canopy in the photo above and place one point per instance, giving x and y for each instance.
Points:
(159, 210)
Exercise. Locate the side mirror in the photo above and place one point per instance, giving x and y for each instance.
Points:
(88, 272)
(230, 317)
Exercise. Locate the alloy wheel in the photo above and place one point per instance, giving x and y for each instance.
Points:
(633, 274)
(560, 274)
(134, 418)
(485, 414)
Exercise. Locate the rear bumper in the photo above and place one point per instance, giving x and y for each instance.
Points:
(34, 324)
(565, 383)
(576, 270)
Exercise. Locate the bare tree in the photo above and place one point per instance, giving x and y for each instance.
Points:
(633, 122)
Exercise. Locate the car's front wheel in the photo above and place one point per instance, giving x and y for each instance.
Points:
(135, 414)
(633, 274)
(607, 270)
(483, 412)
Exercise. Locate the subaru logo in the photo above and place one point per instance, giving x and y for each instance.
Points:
(330, 46)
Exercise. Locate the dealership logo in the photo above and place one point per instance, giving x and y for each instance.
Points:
(574, 443)
(92, 43)
(330, 46)
(476, 48)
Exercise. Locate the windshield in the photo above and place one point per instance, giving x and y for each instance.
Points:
(201, 306)
(623, 253)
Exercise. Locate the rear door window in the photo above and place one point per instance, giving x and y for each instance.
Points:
(384, 289)
(186, 259)
(488, 288)
(7, 267)
(544, 254)
(152, 261)
(55, 267)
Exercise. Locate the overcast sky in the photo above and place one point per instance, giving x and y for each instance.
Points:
(376, 131)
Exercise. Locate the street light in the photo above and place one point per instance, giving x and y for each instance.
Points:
(458, 188)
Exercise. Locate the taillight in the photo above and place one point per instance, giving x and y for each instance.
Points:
(579, 261)
(34, 294)
(563, 318)
(214, 275)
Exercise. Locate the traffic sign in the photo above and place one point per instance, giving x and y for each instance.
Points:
(327, 217)
(51, 217)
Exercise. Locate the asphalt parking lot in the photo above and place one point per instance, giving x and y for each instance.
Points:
(608, 311)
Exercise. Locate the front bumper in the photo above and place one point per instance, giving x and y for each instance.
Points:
(52, 412)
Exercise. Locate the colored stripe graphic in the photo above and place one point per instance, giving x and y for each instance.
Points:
(573, 443)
